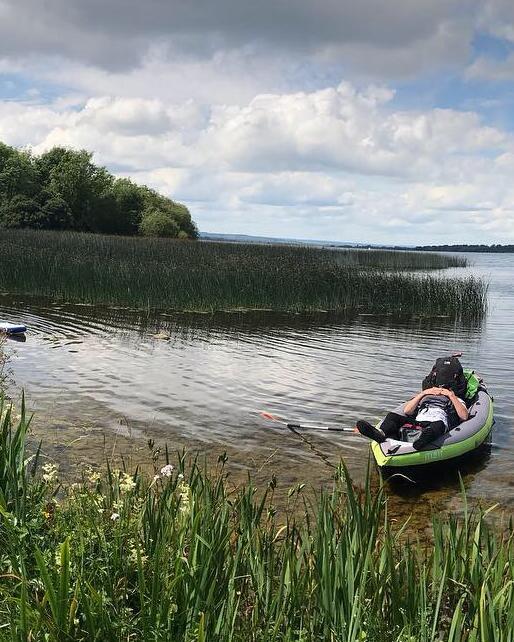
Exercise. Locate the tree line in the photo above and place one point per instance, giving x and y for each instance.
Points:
(495, 247)
(62, 189)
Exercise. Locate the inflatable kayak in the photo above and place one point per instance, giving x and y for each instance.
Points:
(12, 328)
(393, 454)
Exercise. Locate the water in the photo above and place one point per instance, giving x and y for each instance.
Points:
(107, 379)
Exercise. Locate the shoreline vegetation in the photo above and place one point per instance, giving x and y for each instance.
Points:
(183, 555)
(166, 274)
(62, 189)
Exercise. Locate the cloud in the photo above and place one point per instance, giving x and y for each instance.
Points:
(486, 68)
(332, 163)
(238, 109)
(495, 20)
(496, 17)
(393, 37)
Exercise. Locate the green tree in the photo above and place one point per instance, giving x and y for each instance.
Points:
(21, 211)
(176, 211)
(56, 213)
(72, 176)
(158, 223)
(17, 173)
(129, 204)
(63, 189)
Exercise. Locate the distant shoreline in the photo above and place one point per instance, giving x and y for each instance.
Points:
(248, 238)
(491, 249)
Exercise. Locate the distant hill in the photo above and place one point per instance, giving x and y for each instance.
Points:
(246, 238)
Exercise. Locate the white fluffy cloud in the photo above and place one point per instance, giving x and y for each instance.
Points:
(237, 108)
(336, 163)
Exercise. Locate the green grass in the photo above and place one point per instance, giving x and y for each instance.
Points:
(185, 557)
(164, 274)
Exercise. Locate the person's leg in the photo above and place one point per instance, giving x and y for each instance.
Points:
(392, 424)
(389, 427)
(368, 430)
(429, 434)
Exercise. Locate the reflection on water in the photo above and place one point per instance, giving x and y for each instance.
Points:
(199, 381)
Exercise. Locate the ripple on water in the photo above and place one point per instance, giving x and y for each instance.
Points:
(205, 386)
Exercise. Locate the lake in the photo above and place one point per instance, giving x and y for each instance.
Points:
(103, 380)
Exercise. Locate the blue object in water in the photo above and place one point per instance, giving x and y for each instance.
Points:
(12, 328)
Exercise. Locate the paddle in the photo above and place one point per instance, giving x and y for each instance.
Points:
(294, 426)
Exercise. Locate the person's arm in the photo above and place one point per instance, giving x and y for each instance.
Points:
(459, 406)
(410, 406)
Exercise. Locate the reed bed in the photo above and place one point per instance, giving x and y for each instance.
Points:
(165, 274)
(398, 259)
(183, 556)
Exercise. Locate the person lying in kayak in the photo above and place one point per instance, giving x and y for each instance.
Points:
(430, 411)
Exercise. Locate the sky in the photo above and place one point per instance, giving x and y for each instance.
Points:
(369, 121)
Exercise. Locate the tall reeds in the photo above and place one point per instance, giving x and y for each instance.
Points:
(183, 556)
(173, 275)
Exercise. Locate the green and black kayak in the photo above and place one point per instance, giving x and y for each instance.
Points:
(393, 455)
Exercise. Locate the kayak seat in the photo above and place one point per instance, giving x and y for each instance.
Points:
(409, 433)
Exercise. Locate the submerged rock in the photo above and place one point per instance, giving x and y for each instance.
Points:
(163, 336)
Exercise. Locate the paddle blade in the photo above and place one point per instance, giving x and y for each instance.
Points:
(268, 415)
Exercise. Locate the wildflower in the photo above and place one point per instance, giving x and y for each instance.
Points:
(133, 556)
(184, 498)
(115, 516)
(58, 555)
(167, 470)
(127, 483)
(49, 473)
(180, 476)
(92, 475)
(46, 514)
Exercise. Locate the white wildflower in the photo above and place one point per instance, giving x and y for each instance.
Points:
(184, 498)
(167, 470)
(49, 473)
(127, 483)
(180, 476)
(92, 475)
(133, 556)
(115, 516)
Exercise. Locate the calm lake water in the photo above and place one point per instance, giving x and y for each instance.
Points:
(101, 379)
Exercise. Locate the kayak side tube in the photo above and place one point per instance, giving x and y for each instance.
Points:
(462, 439)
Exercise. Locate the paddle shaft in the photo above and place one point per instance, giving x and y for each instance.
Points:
(313, 427)
(295, 426)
